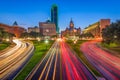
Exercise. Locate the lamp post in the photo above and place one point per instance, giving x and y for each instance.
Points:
(75, 41)
(46, 40)
(115, 36)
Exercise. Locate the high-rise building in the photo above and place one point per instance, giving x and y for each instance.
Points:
(47, 28)
(54, 16)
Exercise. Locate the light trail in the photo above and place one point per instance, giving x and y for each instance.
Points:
(107, 64)
(60, 63)
(8, 61)
(74, 68)
(12, 62)
(43, 70)
(11, 50)
(55, 66)
(30, 76)
(48, 65)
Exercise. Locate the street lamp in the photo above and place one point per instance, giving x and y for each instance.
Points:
(75, 41)
(38, 38)
(115, 36)
(46, 42)
(46, 39)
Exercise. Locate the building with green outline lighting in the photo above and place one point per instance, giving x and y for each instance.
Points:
(54, 16)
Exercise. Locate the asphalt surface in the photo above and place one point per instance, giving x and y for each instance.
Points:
(60, 63)
(73, 68)
(49, 66)
(107, 64)
(12, 60)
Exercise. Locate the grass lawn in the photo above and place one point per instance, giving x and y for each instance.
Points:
(111, 46)
(76, 48)
(40, 51)
(4, 45)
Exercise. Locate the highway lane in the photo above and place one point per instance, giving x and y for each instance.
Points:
(5, 60)
(9, 51)
(60, 63)
(107, 64)
(72, 67)
(12, 60)
(49, 67)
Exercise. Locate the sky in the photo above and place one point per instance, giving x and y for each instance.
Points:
(28, 13)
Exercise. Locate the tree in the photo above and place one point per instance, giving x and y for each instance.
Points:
(25, 35)
(31, 35)
(87, 35)
(1, 34)
(5, 35)
(112, 33)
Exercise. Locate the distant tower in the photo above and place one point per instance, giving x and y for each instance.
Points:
(71, 24)
(15, 24)
(54, 16)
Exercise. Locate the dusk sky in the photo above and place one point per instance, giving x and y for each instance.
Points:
(29, 13)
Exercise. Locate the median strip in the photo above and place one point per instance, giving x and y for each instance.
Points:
(76, 48)
(4, 45)
(40, 51)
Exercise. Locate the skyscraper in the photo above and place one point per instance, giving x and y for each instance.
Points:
(54, 16)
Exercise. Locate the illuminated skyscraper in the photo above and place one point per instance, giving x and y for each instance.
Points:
(54, 16)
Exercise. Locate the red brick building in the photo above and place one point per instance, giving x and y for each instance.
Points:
(71, 31)
(6, 27)
(15, 29)
(104, 23)
(47, 28)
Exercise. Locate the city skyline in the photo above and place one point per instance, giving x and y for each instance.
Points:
(30, 13)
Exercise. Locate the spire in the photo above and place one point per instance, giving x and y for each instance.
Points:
(15, 23)
(71, 24)
(71, 21)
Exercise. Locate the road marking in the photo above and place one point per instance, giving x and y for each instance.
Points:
(50, 64)
(36, 68)
(15, 64)
(45, 66)
(55, 65)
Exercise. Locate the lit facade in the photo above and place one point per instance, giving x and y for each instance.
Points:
(96, 28)
(17, 30)
(71, 31)
(47, 28)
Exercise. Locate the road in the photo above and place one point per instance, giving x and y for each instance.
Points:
(12, 60)
(60, 63)
(73, 68)
(49, 66)
(107, 64)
